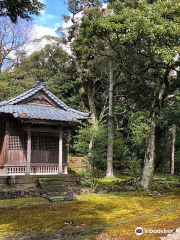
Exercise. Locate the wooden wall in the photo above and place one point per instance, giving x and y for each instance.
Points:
(2, 140)
(16, 143)
(42, 150)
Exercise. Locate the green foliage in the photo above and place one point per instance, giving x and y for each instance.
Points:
(20, 8)
(5, 89)
(142, 40)
(140, 127)
(128, 153)
(11, 85)
(50, 63)
(91, 141)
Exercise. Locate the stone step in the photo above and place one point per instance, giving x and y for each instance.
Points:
(56, 190)
(49, 179)
(51, 183)
(53, 188)
(178, 230)
(169, 182)
(159, 179)
(60, 198)
(54, 194)
(2, 186)
(25, 186)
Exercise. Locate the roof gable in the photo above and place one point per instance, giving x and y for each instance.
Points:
(40, 99)
(38, 103)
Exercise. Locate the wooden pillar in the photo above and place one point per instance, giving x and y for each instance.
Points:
(65, 169)
(67, 157)
(28, 152)
(60, 170)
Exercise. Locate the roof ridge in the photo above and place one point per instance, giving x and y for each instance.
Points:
(65, 106)
(41, 85)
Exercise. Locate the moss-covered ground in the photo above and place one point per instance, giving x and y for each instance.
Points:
(94, 216)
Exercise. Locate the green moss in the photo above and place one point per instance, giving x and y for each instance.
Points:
(106, 182)
(50, 183)
(21, 202)
(117, 214)
(168, 177)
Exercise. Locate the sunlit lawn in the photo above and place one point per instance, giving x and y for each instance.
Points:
(110, 214)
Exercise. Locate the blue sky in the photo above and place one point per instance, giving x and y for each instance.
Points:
(47, 23)
(52, 15)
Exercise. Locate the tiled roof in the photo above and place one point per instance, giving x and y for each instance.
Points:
(64, 113)
(39, 112)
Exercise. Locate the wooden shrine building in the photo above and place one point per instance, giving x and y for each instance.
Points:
(34, 133)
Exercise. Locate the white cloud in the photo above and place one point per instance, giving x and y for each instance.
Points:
(69, 23)
(43, 1)
(38, 42)
(65, 27)
(38, 32)
(104, 5)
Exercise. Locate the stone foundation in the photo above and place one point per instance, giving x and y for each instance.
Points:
(30, 181)
(38, 186)
(19, 193)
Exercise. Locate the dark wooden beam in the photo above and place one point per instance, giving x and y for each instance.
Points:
(42, 129)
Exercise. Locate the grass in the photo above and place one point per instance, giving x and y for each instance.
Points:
(94, 216)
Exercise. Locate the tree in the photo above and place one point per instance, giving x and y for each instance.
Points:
(13, 37)
(168, 163)
(52, 64)
(20, 9)
(145, 46)
(109, 173)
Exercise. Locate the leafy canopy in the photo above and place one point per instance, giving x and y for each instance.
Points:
(20, 8)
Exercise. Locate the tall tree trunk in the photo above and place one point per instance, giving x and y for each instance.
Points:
(148, 169)
(109, 173)
(158, 142)
(173, 142)
(88, 101)
(91, 101)
(166, 163)
(93, 109)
